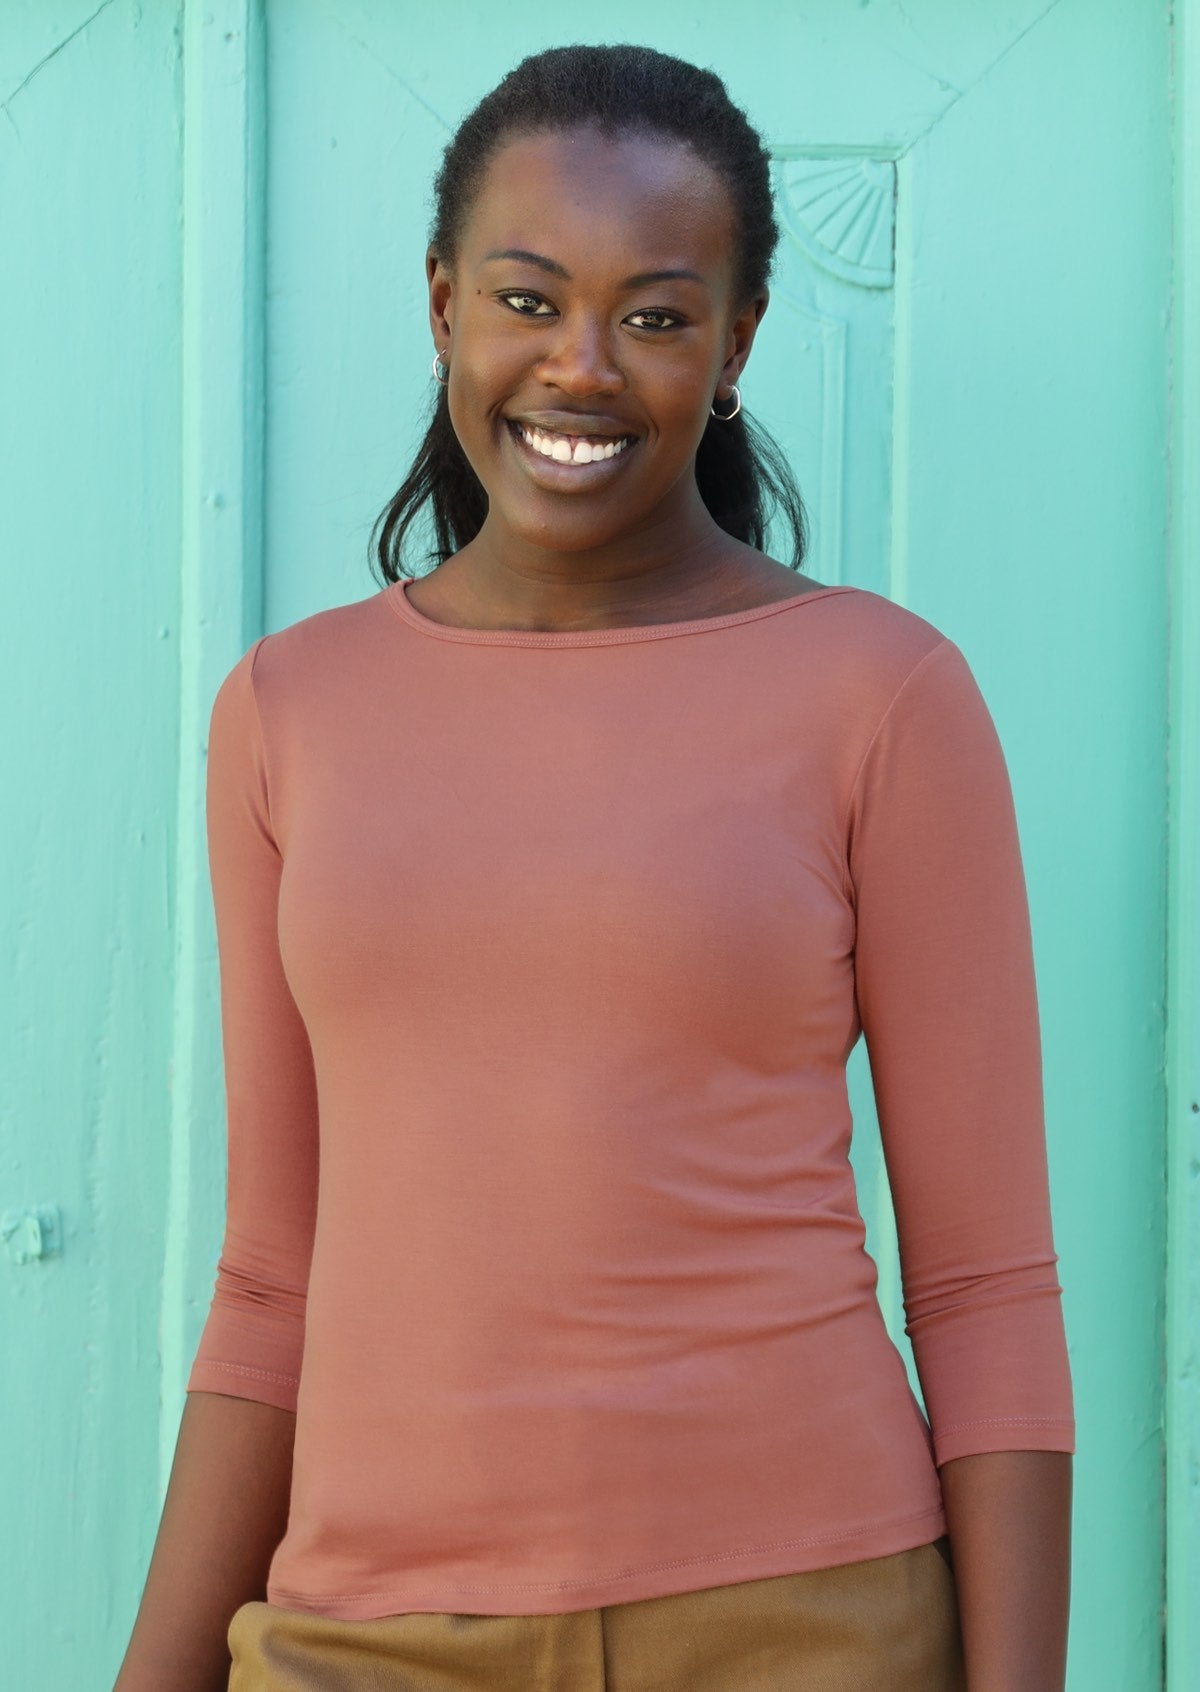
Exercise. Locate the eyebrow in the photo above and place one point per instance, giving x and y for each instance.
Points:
(642, 280)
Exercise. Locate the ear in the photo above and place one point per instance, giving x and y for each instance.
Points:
(441, 300)
(739, 341)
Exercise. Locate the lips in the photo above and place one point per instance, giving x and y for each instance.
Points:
(561, 459)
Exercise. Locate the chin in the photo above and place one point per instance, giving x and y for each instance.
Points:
(559, 532)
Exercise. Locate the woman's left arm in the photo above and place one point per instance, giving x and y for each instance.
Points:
(947, 996)
(1009, 1515)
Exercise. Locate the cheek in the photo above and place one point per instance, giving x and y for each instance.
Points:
(473, 398)
(686, 389)
(681, 407)
(482, 377)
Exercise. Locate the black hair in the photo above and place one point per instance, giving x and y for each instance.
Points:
(742, 474)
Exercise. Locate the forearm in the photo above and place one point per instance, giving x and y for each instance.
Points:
(224, 1513)
(1009, 1519)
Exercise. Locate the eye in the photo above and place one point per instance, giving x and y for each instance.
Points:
(666, 319)
(521, 303)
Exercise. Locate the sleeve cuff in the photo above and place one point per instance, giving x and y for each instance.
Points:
(1004, 1433)
(240, 1380)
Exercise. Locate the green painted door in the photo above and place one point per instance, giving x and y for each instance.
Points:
(976, 205)
(965, 357)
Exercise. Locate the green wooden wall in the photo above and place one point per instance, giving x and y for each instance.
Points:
(214, 369)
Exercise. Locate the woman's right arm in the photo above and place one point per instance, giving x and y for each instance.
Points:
(225, 1512)
(226, 1506)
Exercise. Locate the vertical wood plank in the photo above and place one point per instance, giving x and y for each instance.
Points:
(1182, 1408)
(89, 529)
(221, 593)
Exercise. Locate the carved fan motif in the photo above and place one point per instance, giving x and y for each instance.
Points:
(842, 213)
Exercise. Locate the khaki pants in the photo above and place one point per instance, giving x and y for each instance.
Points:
(890, 1624)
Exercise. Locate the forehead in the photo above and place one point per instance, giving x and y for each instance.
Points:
(643, 202)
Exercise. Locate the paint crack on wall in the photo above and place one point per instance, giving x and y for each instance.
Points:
(946, 86)
(384, 66)
(984, 73)
(45, 60)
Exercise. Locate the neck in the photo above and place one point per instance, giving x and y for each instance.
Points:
(665, 566)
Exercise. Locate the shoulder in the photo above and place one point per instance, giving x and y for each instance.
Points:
(307, 658)
(876, 634)
(863, 649)
(915, 716)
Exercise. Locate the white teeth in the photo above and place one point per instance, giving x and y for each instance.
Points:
(569, 449)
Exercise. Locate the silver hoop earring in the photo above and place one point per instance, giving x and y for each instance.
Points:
(438, 367)
(725, 416)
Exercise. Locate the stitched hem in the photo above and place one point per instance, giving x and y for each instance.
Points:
(933, 1516)
(1008, 1422)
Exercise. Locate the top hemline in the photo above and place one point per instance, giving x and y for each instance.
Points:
(753, 1563)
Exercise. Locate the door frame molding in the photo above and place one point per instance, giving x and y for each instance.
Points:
(1182, 1385)
(222, 337)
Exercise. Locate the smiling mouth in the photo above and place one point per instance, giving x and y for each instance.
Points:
(571, 449)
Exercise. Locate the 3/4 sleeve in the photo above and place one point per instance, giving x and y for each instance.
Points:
(948, 1004)
(253, 1337)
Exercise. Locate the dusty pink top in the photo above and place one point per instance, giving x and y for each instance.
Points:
(541, 959)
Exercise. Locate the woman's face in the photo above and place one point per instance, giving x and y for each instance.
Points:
(588, 324)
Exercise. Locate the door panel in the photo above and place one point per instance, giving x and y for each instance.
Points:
(963, 358)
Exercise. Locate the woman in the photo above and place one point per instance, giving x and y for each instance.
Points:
(558, 884)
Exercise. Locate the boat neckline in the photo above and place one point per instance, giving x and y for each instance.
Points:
(397, 597)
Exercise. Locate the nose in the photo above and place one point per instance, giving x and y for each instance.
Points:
(581, 359)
